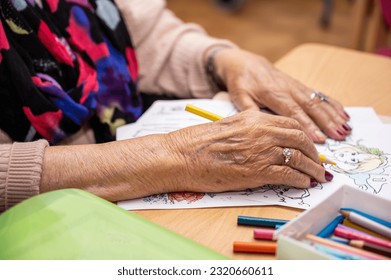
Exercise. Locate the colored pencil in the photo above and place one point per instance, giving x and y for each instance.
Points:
(338, 239)
(348, 223)
(213, 117)
(262, 222)
(202, 113)
(345, 248)
(367, 223)
(376, 219)
(371, 247)
(324, 159)
(265, 247)
(264, 234)
(337, 253)
(329, 228)
(350, 233)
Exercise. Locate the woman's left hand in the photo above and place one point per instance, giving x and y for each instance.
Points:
(254, 83)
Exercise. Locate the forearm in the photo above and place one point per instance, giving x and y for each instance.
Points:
(170, 52)
(116, 170)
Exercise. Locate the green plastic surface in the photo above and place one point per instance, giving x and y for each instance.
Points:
(73, 224)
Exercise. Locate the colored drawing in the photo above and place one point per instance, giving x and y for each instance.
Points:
(362, 160)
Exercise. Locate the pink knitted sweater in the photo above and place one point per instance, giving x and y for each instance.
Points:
(170, 60)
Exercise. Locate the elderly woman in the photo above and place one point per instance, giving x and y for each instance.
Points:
(71, 72)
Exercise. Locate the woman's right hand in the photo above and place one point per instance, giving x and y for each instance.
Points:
(245, 151)
(236, 153)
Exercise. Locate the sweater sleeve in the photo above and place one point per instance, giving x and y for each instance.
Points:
(170, 52)
(20, 171)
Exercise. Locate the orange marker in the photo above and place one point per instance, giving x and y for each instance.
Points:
(263, 247)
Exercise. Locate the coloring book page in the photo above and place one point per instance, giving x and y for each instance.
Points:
(166, 116)
(363, 160)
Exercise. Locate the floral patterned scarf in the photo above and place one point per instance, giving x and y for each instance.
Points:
(63, 63)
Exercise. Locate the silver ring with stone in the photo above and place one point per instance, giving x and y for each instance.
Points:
(319, 95)
(287, 155)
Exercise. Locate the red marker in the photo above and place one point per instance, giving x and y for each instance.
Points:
(264, 234)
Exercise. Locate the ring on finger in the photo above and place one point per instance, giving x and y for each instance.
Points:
(319, 95)
(287, 153)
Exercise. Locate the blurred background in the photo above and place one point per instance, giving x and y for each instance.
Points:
(273, 27)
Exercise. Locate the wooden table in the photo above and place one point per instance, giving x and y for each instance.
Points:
(354, 78)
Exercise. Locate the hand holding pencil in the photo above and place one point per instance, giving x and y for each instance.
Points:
(250, 149)
(213, 117)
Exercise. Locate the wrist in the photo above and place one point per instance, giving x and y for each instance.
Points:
(213, 74)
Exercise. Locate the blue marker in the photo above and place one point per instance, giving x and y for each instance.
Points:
(263, 222)
(329, 229)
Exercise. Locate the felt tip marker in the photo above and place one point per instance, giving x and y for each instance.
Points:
(262, 247)
(264, 234)
(261, 222)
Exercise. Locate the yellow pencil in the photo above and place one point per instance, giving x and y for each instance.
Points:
(213, 117)
(324, 159)
(202, 113)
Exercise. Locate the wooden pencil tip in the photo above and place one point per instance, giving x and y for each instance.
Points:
(356, 243)
(325, 160)
(344, 213)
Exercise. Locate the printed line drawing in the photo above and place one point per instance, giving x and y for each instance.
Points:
(366, 166)
(362, 160)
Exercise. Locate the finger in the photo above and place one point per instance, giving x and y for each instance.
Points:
(261, 117)
(284, 175)
(326, 117)
(305, 165)
(331, 122)
(285, 122)
(296, 139)
(339, 109)
(309, 125)
(341, 117)
(322, 114)
(243, 101)
(291, 109)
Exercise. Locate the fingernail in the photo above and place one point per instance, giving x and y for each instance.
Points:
(328, 176)
(313, 183)
(346, 127)
(321, 137)
(340, 132)
(346, 114)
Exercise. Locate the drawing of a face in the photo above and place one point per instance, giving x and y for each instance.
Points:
(351, 159)
(364, 165)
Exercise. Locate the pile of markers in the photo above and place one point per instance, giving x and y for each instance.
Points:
(264, 234)
(354, 235)
(351, 235)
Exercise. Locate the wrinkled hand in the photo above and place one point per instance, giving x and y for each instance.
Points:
(244, 151)
(254, 83)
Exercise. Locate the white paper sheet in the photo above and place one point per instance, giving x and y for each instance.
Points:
(166, 116)
(369, 145)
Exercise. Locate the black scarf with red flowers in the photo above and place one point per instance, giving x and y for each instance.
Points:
(63, 63)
